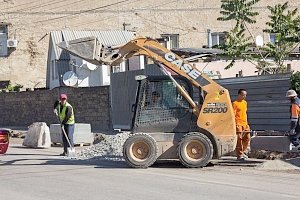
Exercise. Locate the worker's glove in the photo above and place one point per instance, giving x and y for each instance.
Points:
(55, 112)
(62, 126)
(286, 133)
(292, 132)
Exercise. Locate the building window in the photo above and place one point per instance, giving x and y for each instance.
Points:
(3, 40)
(54, 67)
(108, 70)
(116, 69)
(171, 41)
(272, 38)
(53, 70)
(217, 38)
(73, 65)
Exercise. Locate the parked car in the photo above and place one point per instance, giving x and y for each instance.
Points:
(4, 140)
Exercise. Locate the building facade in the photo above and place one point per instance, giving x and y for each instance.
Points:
(26, 26)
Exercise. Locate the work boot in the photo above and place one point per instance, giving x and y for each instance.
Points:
(241, 158)
(245, 156)
(63, 154)
(295, 144)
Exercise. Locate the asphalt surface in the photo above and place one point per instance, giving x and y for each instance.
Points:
(40, 174)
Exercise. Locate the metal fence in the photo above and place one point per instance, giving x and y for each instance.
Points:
(268, 108)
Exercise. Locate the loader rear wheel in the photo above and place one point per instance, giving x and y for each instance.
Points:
(140, 150)
(195, 150)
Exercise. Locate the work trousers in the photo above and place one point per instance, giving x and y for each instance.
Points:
(243, 139)
(294, 138)
(69, 128)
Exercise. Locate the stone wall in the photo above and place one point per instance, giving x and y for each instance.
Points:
(91, 105)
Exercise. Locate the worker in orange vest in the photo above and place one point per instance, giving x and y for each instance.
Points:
(295, 114)
(242, 126)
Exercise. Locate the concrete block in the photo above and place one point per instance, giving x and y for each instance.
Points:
(82, 133)
(270, 143)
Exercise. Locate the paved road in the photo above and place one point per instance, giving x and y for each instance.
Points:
(39, 174)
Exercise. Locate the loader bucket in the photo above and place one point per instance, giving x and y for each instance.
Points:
(89, 49)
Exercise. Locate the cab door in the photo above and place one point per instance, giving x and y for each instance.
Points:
(161, 108)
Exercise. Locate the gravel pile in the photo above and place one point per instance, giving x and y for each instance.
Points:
(110, 148)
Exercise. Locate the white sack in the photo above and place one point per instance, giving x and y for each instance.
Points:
(38, 136)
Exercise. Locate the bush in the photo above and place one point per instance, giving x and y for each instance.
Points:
(295, 82)
(13, 87)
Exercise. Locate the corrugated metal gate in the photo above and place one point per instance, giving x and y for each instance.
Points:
(123, 91)
(268, 108)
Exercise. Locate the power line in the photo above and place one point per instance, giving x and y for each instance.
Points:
(71, 3)
(22, 4)
(103, 19)
(66, 15)
(163, 4)
(109, 17)
(160, 23)
(108, 5)
(39, 5)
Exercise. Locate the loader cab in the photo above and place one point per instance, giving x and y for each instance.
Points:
(159, 107)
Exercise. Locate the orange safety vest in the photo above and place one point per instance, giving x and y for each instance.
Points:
(240, 112)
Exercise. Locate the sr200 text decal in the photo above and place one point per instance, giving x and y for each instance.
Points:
(215, 108)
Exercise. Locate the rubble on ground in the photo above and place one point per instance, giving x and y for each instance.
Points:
(17, 134)
(272, 155)
(108, 147)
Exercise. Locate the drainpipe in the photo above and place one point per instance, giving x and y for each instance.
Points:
(209, 39)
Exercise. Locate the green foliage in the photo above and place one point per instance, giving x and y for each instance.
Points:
(240, 11)
(284, 24)
(11, 87)
(237, 43)
(296, 82)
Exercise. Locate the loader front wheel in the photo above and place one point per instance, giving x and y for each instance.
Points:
(140, 150)
(195, 150)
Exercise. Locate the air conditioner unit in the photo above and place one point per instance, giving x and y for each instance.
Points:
(12, 43)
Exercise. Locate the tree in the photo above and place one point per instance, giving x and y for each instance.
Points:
(284, 24)
(237, 43)
(240, 11)
(295, 82)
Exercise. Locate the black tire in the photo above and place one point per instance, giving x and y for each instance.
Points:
(140, 150)
(195, 150)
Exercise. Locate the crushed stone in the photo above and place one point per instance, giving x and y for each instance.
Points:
(110, 147)
(279, 164)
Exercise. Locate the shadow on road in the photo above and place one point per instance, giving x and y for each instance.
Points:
(234, 162)
(98, 162)
(293, 161)
(41, 157)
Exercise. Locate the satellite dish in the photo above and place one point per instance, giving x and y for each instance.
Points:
(70, 78)
(91, 66)
(259, 41)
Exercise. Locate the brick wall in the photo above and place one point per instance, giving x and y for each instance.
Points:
(91, 105)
